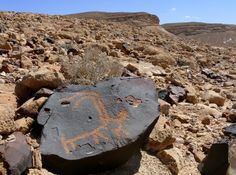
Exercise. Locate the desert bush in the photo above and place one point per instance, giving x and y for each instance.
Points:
(94, 66)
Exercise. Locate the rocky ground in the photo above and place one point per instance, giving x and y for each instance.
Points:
(196, 83)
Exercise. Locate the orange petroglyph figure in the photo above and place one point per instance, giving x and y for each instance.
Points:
(105, 120)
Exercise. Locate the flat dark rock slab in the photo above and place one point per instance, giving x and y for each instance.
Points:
(93, 128)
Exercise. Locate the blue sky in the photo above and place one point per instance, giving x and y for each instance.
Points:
(214, 11)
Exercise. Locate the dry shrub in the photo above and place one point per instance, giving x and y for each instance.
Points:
(93, 67)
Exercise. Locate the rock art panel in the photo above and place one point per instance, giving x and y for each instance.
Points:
(88, 129)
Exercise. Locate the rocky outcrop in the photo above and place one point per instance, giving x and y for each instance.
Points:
(215, 34)
(141, 19)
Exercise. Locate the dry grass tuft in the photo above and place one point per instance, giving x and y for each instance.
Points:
(93, 67)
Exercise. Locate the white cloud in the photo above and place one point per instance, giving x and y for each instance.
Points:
(173, 9)
(191, 17)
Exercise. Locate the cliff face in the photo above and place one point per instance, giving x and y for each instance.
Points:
(139, 18)
(215, 34)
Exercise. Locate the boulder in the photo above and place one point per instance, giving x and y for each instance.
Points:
(151, 50)
(163, 60)
(31, 107)
(7, 124)
(215, 98)
(216, 162)
(93, 128)
(160, 140)
(232, 158)
(43, 78)
(16, 154)
(177, 94)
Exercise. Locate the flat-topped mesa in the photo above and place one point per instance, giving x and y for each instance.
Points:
(137, 18)
(214, 34)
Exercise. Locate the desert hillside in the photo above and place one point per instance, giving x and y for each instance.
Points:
(215, 34)
(41, 54)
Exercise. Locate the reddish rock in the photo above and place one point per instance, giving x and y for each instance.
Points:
(43, 78)
(16, 154)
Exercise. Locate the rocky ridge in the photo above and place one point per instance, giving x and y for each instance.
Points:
(139, 18)
(196, 84)
(214, 34)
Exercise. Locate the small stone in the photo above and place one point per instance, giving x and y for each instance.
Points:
(26, 62)
(133, 69)
(3, 169)
(198, 155)
(2, 81)
(177, 94)
(160, 140)
(206, 110)
(37, 159)
(32, 142)
(183, 118)
(164, 107)
(191, 96)
(215, 98)
(177, 123)
(5, 45)
(151, 50)
(37, 51)
(39, 172)
(230, 115)
(115, 54)
(31, 107)
(11, 138)
(44, 92)
(230, 130)
(172, 158)
(210, 74)
(206, 120)
(24, 124)
(234, 106)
